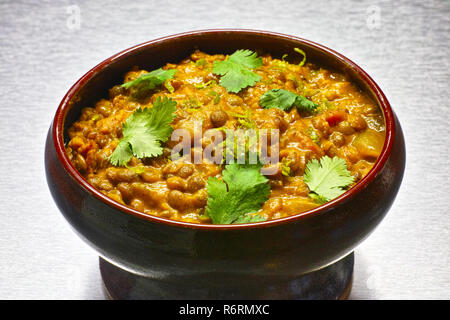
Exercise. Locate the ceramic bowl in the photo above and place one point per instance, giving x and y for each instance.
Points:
(203, 259)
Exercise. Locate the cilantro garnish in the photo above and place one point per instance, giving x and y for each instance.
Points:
(215, 95)
(327, 178)
(249, 218)
(139, 169)
(242, 191)
(242, 148)
(149, 81)
(169, 86)
(201, 62)
(283, 58)
(205, 85)
(235, 71)
(312, 133)
(144, 131)
(303, 54)
(285, 169)
(284, 100)
(245, 120)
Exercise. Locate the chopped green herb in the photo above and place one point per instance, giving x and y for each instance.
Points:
(280, 65)
(285, 169)
(200, 62)
(249, 218)
(216, 96)
(190, 103)
(152, 79)
(284, 100)
(95, 117)
(236, 151)
(237, 115)
(204, 85)
(235, 71)
(327, 178)
(310, 92)
(312, 133)
(303, 54)
(139, 169)
(242, 190)
(247, 121)
(144, 131)
(169, 86)
(328, 105)
(293, 78)
(244, 119)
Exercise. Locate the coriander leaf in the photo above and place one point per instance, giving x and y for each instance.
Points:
(285, 168)
(247, 58)
(327, 178)
(122, 154)
(317, 198)
(304, 104)
(284, 100)
(245, 120)
(149, 81)
(201, 62)
(235, 77)
(312, 133)
(169, 86)
(215, 95)
(144, 131)
(249, 218)
(204, 85)
(234, 71)
(139, 169)
(278, 98)
(243, 190)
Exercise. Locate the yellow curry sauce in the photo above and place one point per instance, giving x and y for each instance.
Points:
(347, 124)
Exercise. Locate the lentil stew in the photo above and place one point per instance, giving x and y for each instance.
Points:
(346, 124)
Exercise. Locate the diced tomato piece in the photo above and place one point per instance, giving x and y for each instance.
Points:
(334, 118)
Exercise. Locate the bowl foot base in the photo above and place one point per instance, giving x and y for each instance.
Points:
(332, 282)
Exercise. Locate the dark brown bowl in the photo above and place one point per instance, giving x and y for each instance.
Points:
(187, 255)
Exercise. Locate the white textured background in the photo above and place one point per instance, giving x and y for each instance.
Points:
(403, 45)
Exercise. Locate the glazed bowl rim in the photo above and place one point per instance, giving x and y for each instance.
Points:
(65, 105)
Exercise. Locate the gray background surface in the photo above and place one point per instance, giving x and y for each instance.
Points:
(403, 45)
